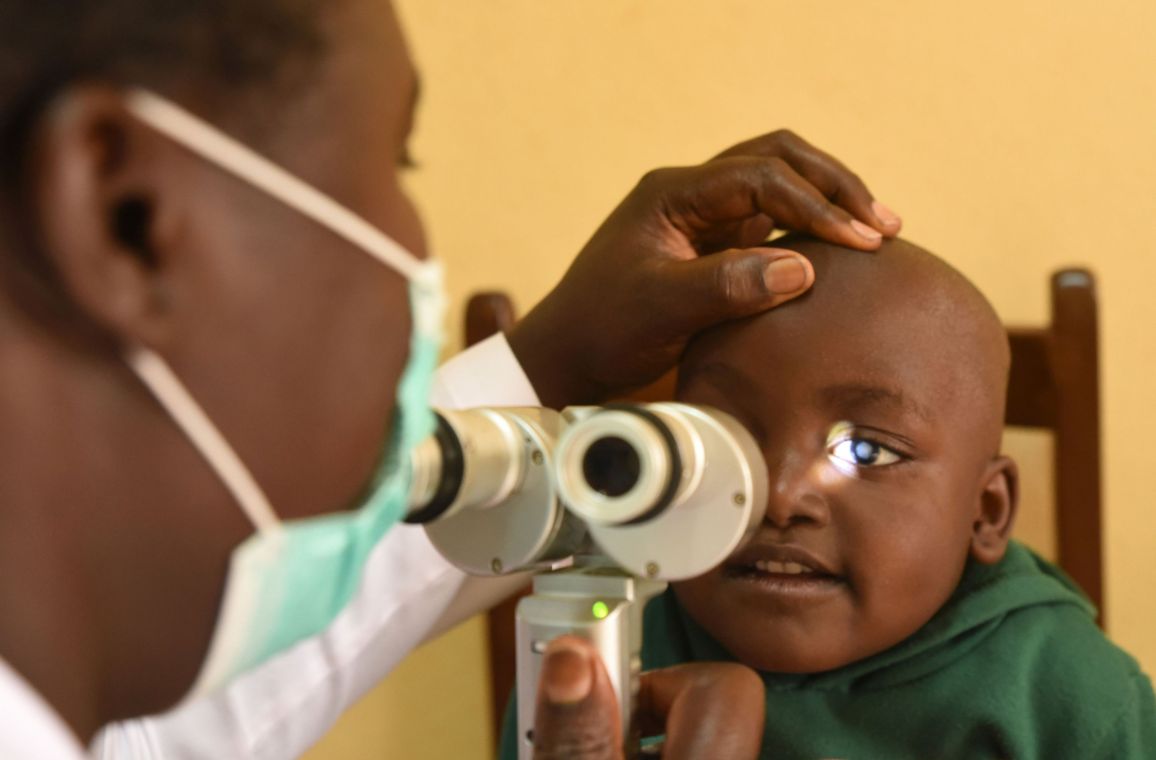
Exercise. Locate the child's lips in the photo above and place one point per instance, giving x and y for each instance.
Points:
(784, 592)
(780, 559)
(783, 582)
(783, 571)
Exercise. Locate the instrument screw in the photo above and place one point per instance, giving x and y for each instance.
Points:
(537, 457)
(740, 499)
(651, 569)
(496, 565)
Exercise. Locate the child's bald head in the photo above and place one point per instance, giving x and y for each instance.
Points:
(907, 303)
(878, 399)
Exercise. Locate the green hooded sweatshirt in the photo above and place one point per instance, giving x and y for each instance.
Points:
(1012, 666)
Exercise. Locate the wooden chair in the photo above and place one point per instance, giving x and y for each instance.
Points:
(1054, 386)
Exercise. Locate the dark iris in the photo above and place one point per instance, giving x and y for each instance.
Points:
(865, 452)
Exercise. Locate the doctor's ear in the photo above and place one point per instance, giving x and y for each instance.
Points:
(93, 189)
(995, 513)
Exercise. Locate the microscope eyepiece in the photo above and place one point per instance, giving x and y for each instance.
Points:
(611, 466)
(637, 476)
(620, 465)
(443, 474)
(482, 486)
(506, 489)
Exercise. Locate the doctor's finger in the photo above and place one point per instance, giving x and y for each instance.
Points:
(576, 716)
(708, 709)
(731, 284)
(698, 200)
(831, 176)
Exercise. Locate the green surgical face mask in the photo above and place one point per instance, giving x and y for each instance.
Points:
(289, 580)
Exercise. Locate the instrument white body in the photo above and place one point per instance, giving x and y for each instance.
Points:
(607, 504)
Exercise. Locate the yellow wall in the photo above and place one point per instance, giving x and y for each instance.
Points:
(1014, 138)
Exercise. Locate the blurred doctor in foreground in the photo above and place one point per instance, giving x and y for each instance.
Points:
(218, 329)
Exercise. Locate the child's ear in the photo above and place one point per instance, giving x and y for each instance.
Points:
(995, 511)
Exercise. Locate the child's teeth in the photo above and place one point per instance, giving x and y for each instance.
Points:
(782, 568)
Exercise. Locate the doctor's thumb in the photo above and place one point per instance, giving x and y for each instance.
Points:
(735, 283)
(577, 714)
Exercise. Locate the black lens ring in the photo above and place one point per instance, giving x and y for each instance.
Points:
(452, 474)
(666, 496)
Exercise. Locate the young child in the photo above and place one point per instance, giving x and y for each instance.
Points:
(882, 600)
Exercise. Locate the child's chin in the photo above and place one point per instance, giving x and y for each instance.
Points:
(776, 658)
(773, 632)
(784, 649)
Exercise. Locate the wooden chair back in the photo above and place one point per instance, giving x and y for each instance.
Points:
(1054, 386)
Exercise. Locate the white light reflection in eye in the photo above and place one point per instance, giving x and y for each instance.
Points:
(851, 453)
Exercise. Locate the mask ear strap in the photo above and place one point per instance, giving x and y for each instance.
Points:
(208, 441)
(214, 146)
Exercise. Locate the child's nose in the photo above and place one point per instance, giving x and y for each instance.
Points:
(796, 496)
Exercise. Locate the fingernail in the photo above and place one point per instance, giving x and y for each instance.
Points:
(567, 674)
(886, 215)
(865, 231)
(785, 276)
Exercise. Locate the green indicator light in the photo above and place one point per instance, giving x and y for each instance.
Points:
(600, 610)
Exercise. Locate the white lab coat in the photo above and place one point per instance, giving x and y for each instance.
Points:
(409, 594)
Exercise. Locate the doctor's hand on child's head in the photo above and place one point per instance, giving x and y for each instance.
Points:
(687, 250)
(704, 709)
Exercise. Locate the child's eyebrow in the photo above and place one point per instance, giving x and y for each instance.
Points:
(740, 387)
(722, 376)
(860, 394)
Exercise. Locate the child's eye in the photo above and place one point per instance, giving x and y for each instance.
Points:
(863, 452)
